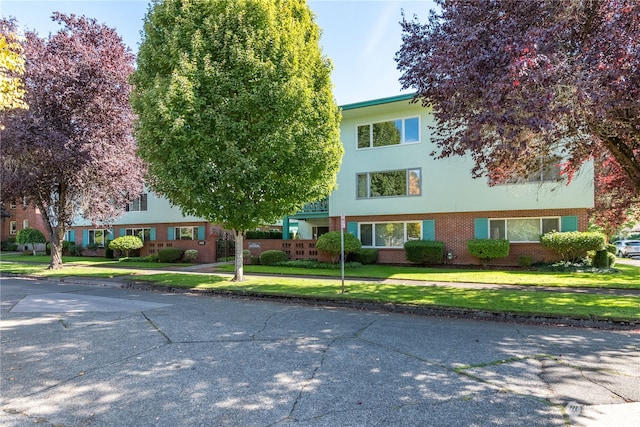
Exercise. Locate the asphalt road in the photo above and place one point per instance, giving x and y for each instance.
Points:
(86, 355)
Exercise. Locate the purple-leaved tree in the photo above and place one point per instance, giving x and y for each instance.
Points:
(72, 152)
(515, 82)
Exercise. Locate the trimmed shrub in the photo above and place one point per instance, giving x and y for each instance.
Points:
(488, 249)
(259, 234)
(170, 254)
(330, 244)
(364, 256)
(30, 236)
(75, 250)
(272, 257)
(525, 261)
(612, 259)
(126, 244)
(9, 244)
(190, 256)
(611, 248)
(424, 251)
(601, 259)
(572, 246)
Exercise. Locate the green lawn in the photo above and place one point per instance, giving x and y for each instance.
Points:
(327, 285)
(627, 277)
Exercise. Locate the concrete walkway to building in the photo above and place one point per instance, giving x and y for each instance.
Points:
(96, 354)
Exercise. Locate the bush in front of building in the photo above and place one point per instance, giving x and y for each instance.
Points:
(170, 254)
(259, 234)
(424, 251)
(190, 256)
(272, 257)
(30, 236)
(9, 244)
(330, 243)
(126, 244)
(364, 256)
(573, 246)
(488, 249)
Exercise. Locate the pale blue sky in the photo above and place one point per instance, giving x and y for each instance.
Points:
(361, 37)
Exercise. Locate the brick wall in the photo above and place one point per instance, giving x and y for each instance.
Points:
(455, 229)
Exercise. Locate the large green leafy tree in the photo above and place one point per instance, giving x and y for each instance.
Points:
(237, 119)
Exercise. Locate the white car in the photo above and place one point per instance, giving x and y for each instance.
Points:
(627, 248)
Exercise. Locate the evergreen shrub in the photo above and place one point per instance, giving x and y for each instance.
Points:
(572, 246)
(424, 251)
(272, 257)
(488, 249)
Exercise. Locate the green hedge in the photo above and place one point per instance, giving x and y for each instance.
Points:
(258, 234)
(572, 246)
(488, 249)
(424, 251)
(364, 256)
(331, 243)
(126, 244)
(272, 257)
(170, 254)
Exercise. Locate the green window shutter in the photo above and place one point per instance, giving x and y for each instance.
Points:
(85, 237)
(171, 233)
(72, 236)
(201, 232)
(152, 233)
(429, 229)
(123, 231)
(481, 228)
(352, 227)
(569, 223)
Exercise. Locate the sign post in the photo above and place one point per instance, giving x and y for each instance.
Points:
(342, 226)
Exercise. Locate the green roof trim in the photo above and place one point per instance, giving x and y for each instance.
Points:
(404, 97)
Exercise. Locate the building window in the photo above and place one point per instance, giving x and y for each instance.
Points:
(186, 233)
(138, 204)
(522, 229)
(392, 132)
(404, 182)
(13, 228)
(389, 234)
(98, 237)
(143, 233)
(25, 223)
(549, 171)
(67, 236)
(12, 206)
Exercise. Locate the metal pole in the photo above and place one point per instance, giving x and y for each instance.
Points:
(342, 224)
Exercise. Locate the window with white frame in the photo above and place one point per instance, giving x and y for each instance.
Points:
(98, 237)
(392, 132)
(549, 171)
(13, 228)
(389, 234)
(186, 233)
(403, 182)
(25, 223)
(67, 236)
(138, 204)
(522, 229)
(143, 233)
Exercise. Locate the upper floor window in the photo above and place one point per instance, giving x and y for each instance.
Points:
(138, 204)
(393, 132)
(403, 182)
(549, 170)
(522, 229)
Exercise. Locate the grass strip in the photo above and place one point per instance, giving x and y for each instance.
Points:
(563, 304)
(626, 277)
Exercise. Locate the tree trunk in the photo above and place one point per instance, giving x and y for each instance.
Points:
(56, 237)
(239, 273)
